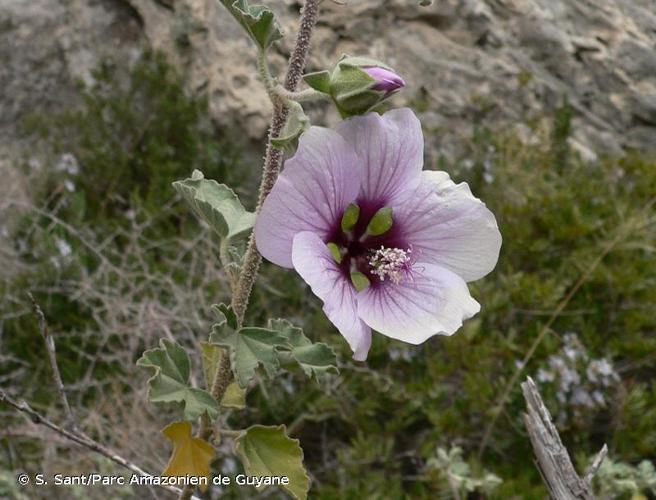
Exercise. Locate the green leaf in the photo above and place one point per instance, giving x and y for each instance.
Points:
(268, 451)
(235, 396)
(249, 348)
(217, 204)
(226, 315)
(315, 359)
(170, 381)
(319, 81)
(296, 124)
(258, 21)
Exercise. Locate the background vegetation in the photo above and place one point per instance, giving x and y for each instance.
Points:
(116, 262)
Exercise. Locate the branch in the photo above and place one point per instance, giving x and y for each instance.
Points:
(79, 438)
(272, 164)
(52, 356)
(553, 460)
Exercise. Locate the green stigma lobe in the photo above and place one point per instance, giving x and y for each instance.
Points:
(334, 251)
(359, 280)
(381, 222)
(350, 217)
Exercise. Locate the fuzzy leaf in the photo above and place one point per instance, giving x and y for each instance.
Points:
(191, 456)
(319, 81)
(268, 451)
(297, 123)
(217, 204)
(170, 381)
(235, 396)
(316, 359)
(211, 355)
(225, 315)
(249, 348)
(258, 21)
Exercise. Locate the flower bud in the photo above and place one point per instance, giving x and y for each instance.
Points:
(356, 84)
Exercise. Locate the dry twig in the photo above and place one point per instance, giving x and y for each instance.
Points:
(52, 356)
(79, 438)
(552, 458)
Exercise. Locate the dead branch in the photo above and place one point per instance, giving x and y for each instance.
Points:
(52, 356)
(79, 438)
(552, 458)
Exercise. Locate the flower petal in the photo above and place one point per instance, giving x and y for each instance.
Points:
(447, 225)
(315, 264)
(318, 182)
(391, 149)
(434, 302)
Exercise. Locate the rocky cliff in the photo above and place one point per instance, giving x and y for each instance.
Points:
(492, 61)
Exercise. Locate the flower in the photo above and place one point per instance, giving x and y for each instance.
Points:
(384, 245)
(386, 80)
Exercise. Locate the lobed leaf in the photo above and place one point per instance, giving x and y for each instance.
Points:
(269, 451)
(258, 21)
(216, 204)
(250, 347)
(170, 381)
(316, 359)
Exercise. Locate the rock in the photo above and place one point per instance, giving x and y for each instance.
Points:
(466, 62)
(46, 46)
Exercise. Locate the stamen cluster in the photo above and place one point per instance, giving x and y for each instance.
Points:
(391, 263)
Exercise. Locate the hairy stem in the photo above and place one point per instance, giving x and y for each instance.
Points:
(272, 164)
(300, 96)
(273, 157)
(265, 75)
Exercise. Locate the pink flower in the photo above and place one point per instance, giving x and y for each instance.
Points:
(385, 79)
(384, 245)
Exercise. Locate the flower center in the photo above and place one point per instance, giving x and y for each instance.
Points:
(368, 249)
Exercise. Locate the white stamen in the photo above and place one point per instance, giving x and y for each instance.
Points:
(394, 264)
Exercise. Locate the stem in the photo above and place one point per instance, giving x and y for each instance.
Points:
(300, 96)
(52, 356)
(273, 158)
(265, 75)
(229, 432)
(272, 164)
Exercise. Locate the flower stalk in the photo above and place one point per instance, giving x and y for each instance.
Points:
(271, 168)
